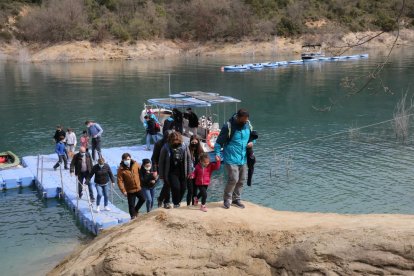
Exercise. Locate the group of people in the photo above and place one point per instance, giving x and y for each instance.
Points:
(66, 142)
(174, 122)
(178, 166)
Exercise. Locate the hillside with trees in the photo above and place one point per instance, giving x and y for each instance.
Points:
(53, 21)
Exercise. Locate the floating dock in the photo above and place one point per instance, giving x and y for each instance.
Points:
(275, 64)
(60, 184)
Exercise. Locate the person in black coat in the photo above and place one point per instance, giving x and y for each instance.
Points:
(103, 175)
(178, 120)
(192, 121)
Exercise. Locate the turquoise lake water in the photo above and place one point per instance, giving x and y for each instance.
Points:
(366, 171)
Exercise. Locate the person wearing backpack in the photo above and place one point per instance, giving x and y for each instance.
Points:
(175, 167)
(234, 138)
(151, 131)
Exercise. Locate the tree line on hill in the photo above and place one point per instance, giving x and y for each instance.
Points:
(52, 21)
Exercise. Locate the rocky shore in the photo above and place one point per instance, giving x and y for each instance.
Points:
(253, 241)
(81, 51)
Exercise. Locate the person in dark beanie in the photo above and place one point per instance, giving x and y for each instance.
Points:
(148, 179)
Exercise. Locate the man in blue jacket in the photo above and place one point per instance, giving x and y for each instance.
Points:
(234, 138)
(95, 132)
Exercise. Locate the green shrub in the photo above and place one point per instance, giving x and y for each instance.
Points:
(119, 32)
(288, 27)
(385, 23)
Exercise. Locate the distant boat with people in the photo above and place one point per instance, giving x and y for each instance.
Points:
(312, 52)
(209, 127)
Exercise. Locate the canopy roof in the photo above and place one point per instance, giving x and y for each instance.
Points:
(192, 99)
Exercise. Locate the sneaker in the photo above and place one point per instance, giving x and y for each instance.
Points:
(167, 206)
(176, 205)
(226, 205)
(107, 208)
(203, 208)
(238, 204)
(98, 209)
(195, 201)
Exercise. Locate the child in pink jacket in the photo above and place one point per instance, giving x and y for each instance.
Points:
(202, 174)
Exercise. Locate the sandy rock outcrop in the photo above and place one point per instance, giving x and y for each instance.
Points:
(253, 241)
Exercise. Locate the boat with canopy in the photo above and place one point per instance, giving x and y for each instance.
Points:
(209, 127)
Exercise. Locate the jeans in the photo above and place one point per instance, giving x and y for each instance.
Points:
(178, 187)
(81, 177)
(133, 209)
(62, 158)
(154, 138)
(102, 190)
(149, 198)
(96, 146)
(236, 176)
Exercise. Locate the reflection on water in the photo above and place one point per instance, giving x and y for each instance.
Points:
(364, 173)
(34, 235)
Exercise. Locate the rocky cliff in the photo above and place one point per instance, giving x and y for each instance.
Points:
(252, 241)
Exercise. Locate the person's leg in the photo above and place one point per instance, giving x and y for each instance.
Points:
(141, 201)
(242, 171)
(91, 195)
(65, 161)
(152, 193)
(195, 197)
(175, 188)
(147, 195)
(98, 146)
(80, 186)
(203, 193)
(105, 194)
(93, 148)
(148, 140)
(58, 162)
(99, 194)
(190, 194)
(183, 188)
(131, 205)
(155, 138)
(232, 173)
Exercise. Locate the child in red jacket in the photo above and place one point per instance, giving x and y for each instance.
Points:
(202, 174)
